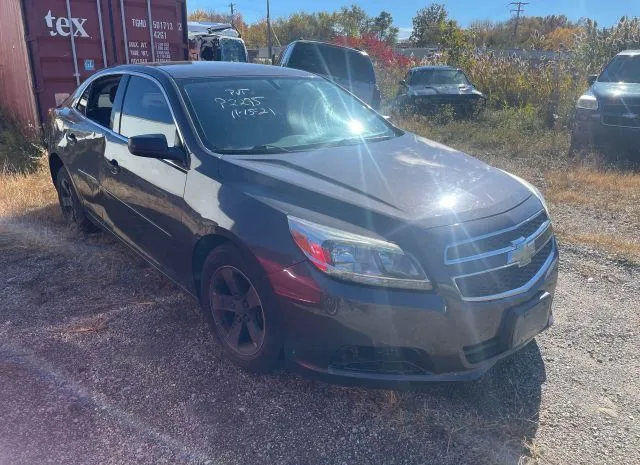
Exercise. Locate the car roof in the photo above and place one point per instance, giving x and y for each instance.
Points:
(432, 67)
(197, 69)
(328, 44)
(630, 52)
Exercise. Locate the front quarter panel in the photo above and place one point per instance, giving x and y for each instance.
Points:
(228, 210)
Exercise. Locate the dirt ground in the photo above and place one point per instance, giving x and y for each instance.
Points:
(104, 361)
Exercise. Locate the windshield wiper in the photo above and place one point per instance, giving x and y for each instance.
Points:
(256, 149)
(358, 139)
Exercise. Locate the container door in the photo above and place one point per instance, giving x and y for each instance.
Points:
(151, 30)
(68, 42)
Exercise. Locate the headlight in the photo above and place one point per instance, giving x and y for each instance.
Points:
(357, 258)
(587, 102)
(534, 190)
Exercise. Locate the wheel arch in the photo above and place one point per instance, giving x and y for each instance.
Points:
(207, 243)
(55, 163)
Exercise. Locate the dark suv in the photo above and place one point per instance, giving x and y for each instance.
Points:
(349, 67)
(609, 112)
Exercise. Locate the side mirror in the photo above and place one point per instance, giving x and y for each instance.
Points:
(153, 146)
(402, 82)
(592, 78)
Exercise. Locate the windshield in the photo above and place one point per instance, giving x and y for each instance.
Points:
(437, 77)
(261, 114)
(232, 50)
(623, 68)
(340, 63)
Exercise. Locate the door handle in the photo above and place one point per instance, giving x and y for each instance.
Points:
(71, 137)
(114, 166)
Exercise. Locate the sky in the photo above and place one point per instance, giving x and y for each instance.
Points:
(606, 12)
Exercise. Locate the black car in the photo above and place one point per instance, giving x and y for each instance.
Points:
(609, 112)
(349, 67)
(306, 224)
(426, 89)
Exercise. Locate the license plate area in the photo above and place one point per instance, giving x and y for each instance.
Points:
(525, 322)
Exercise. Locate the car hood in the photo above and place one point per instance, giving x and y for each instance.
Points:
(407, 177)
(617, 91)
(444, 89)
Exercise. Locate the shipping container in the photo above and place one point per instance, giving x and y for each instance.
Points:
(47, 48)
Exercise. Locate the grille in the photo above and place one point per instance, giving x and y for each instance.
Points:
(382, 360)
(504, 279)
(496, 241)
(620, 108)
(615, 115)
(618, 120)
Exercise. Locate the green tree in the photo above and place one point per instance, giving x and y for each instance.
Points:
(427, 25)
(383, 28)
(352, 21)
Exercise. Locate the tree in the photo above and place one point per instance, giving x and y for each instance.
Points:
(481, 30)
(562, 37)
(427, 25)
(352, 21)
(213, 16)
(382, 27)
(315, 26)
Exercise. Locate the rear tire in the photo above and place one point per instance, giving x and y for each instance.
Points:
(72, 209)
(241, 309)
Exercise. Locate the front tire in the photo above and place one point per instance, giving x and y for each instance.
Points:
(72, 209)
(241, 310)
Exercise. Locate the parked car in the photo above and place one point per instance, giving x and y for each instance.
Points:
(305, 223)
(215, 42)
(609, 112)
(349, 67)
(426, 89)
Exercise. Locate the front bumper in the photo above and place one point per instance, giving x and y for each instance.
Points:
(351, 334)
(589, 129)
(463, 105)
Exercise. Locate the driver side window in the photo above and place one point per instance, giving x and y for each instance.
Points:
(146, 111)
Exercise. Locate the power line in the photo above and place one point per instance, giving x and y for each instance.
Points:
(517, 11)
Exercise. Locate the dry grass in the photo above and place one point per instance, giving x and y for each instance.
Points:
(25, 195)
(610, 190)
(627, 249)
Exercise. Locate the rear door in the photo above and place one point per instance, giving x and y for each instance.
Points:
(143, 197)
(87, 124)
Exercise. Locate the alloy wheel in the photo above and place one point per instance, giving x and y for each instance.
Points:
(237, 311)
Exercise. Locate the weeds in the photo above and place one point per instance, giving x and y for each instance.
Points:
(20, 149)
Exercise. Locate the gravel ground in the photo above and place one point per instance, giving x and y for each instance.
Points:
(103, 361)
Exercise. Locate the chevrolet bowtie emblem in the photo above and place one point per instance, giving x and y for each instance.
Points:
(522, 252)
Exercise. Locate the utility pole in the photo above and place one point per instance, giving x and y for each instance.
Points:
(233, 13)
(517, 11)
(268, 31)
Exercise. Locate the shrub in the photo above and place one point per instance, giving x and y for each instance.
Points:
(595, 47)
(20, 149)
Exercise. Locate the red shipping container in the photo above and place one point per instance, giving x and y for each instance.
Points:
(48, 48)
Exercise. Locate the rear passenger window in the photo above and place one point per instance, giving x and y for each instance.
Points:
(96, 101)
(146, 111)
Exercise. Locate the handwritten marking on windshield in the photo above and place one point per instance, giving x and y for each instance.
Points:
(251, 112)
(237, 91)
(240, 102)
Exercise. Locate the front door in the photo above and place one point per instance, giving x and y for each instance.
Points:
(143, 197)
